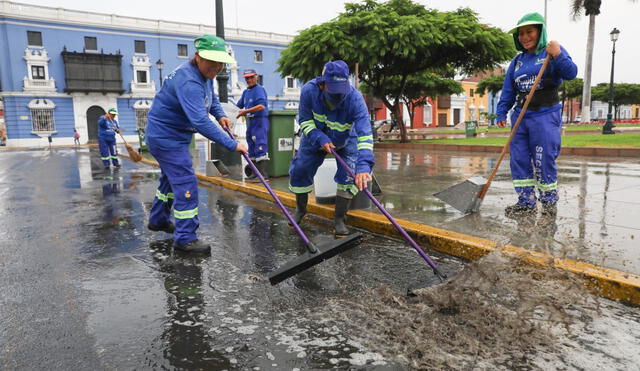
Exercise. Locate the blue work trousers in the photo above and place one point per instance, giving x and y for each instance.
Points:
(108, 151)
(534, 150)
(257, 131)
(178, 189)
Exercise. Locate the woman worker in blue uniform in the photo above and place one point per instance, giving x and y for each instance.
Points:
(332, 115)
(254, 104)
(181, 108)
(107, 129)
(536, 144)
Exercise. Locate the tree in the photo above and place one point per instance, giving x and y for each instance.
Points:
(623, 94)
(419, 87)
(492, 84)
(592, 9)
(394, 40)
(571, 89)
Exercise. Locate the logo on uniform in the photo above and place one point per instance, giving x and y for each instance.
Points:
(206, 101)
(187, 194)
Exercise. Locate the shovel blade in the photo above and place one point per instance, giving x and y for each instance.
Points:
(216, 168)
(308, 260)
(464, 196)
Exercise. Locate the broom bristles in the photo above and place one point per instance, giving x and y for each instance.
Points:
(133, 154)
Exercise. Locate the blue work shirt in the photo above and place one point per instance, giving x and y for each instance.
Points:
(350, 118)
(252, 97)
(522, 73)
(181, 108)
(106, 128)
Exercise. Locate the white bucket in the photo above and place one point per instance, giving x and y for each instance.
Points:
(324, 185)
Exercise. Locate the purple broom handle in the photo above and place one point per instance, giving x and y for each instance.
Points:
(382, 209)
(276, 199)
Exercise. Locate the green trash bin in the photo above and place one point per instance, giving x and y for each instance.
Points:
(142, 138)
(280, 141)
(470, 128)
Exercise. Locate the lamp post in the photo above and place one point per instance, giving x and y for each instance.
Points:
(223, 76)
(160, 65)
(608, 126)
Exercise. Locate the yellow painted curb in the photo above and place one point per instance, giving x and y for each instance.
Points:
(609, 283)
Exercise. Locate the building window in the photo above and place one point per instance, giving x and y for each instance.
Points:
(291, 82)
(471, 92)
(182, 50)
(257, 56)
(140, 47)
(37, 72)
(142, 76)
(141, 118)
(42, 115)
(34, 38)
(90, 43)
(259, 79)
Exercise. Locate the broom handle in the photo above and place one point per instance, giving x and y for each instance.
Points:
(398, 227)
(484, 190)
(310, 246)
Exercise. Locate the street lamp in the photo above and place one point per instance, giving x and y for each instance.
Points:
(160, 66)
(608, 126)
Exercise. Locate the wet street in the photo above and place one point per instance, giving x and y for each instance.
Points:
(86, 286)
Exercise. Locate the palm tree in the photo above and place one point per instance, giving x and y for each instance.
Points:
(592, 9)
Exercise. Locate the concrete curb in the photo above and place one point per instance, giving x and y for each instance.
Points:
(606, 282)
(566, 151)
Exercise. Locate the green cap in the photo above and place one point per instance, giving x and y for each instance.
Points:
(213, 48)
(112, 111)
(526, 20)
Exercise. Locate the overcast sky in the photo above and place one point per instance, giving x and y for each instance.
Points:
(290, 16)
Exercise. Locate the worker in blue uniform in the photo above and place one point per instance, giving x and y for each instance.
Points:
(107, 129)
(536, 144)
(332, 114)
(254, 106)
(180, 109)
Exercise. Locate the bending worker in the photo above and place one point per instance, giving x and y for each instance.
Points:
(180, 109)
(254, 102)
(107, 129)
(536, 144)
(332, 115)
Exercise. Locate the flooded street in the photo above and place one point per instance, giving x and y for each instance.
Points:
(86, 286)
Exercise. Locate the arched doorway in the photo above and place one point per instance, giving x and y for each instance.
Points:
(93, 114)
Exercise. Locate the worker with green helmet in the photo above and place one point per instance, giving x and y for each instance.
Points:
(180, 109)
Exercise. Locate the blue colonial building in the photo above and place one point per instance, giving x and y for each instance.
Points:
(61, 69)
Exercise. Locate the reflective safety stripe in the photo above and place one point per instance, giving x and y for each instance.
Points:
(114, 157)
(105, 158)
(365, 138)
(547, 187)
(306, 189)
(365, 146)
(307, 126)
(186, 214)
(163, 197)
(333, 125)
(524, 182)
(351, 188)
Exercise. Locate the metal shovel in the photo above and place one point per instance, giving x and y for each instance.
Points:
(468, 195)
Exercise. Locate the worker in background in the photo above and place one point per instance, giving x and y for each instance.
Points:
(107, 129)
(180, 109)
(254, 106)
(333, 115)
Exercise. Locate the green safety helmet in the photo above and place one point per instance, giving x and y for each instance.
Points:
(213, 48)
(531, 19)
(112, 111)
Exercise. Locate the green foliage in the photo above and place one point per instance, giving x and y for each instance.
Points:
(622, 93)
(492, 84)
(571, 88)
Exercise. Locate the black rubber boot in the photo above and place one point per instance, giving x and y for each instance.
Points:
(301, 206)
(263, 166)
(519, 210)
(169, 228)
(550, 209)
(342, 206)
(196, 246)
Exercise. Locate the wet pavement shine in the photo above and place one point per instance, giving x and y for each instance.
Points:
(84, 285)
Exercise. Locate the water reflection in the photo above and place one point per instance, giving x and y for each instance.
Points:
(187, 344)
